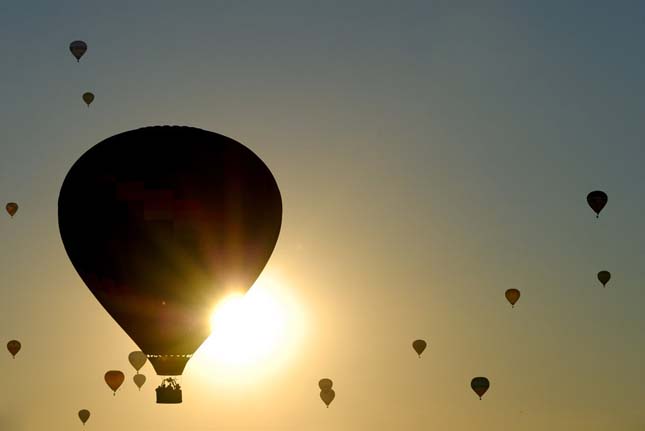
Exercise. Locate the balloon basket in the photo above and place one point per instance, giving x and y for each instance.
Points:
(169, 392)
(168, 396)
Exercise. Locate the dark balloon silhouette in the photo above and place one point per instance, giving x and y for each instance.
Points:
(114, 379)
(88, 98)
(597, 201)
(163, 222)
(480, 385)
(14, 347)
(12, 208)
(603, 277)
(139, 380)
(137, 360)
(325, 384)
(419, 346)
(78, 48)
(84, 415)
(327, 396)
(512, 295)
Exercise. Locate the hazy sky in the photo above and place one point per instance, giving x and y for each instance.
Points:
(430, 156)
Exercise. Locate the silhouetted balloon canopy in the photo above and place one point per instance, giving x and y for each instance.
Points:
(137, 360)
(163, 222)
(12, 208)
(419, 346)
(83, 415)
(14, 347)
(325, 384)
(597, 201)
(512, 295)
(480, 385)
(603, 277)
(88, 98)
(114, 379)
(78, 48)
(139, 380)
(327, 396)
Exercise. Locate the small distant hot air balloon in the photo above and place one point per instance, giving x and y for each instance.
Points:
(419, 346)
(327, 396)
(603, 277)
(14, 347)
(480, 385)
(78, 48)
(88, 98)
(512, 295)
(114, 379)
(137, 360)
(325, 384)
(83, 415)
(12, 208)
(597, 201)
(139, 380)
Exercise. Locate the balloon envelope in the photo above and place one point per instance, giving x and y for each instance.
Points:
(83, 415)
(419, 346)
(78, 48)
(137, 360)
(12, 208)
(163, 222)
(88, 98)
(480, 385)
(14, 347)
(139, 380)
(603, 277)
(325, 384)
(327, 396)
(114, 379)
(512, 295)
(597, 201)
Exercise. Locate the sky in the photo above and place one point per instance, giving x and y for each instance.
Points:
(430, 155)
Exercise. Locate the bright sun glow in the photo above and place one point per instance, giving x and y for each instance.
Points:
(252, 334)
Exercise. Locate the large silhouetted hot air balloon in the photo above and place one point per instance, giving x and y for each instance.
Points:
(139, 380)
(419, 346)
(137, 360)
(597, 201)
(161, 223)
(603, 277)
(88, 98)
(14, 347)
(12, 208)
(78, 48)
(83, 415)
(480, 385)
(325, 384)
(114, 379)
(327, 396)
(512, 295)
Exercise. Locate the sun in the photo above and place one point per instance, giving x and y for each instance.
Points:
(248, 328)
(252, 334)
